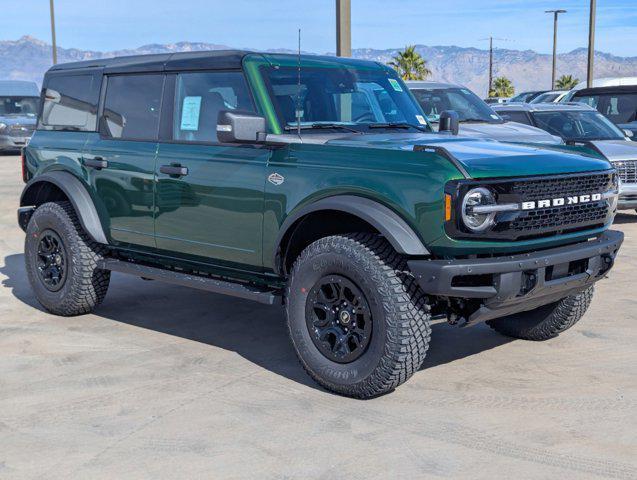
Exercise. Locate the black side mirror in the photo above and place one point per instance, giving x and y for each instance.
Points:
(449, 122)
(240, 127)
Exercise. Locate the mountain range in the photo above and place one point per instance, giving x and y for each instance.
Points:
(28, 58)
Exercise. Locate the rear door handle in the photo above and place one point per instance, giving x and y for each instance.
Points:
(97, 162)
(174, 170)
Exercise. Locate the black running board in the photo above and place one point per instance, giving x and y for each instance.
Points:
(240, 290)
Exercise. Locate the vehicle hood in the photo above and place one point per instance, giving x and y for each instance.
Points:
(508, 132)
(18, 119)
(616, 150)
(482, 158)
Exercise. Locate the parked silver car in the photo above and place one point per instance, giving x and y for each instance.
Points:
(18, 113)
(583, 125)
(477, 119)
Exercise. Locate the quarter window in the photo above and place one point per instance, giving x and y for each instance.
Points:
(70, 103)
(132, 107)
(199, 97)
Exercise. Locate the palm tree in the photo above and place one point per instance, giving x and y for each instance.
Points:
(566, 82)
(502, 87)
(410, 65)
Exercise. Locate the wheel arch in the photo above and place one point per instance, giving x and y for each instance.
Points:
(60, 185)
(359, 212)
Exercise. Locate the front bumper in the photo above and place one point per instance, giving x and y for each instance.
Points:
(13, 143)
(627, 196)
(516, 283)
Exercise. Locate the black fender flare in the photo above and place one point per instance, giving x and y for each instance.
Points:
(396, 230)
(77, 194)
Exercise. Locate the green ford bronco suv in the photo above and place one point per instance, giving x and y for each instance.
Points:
(310, 181)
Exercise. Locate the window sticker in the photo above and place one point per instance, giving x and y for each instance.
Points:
(494, 116)
(421, 119)
(394, 83)
(190, 114)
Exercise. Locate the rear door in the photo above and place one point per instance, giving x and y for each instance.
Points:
(122, 155)
(209, 196)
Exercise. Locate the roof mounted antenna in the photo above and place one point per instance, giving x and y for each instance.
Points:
(298, 90)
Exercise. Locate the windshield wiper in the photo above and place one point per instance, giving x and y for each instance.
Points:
(403, 125)
(319, 126)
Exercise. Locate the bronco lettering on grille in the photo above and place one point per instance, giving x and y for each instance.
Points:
(559, 202)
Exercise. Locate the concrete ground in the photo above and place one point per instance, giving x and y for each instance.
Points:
(167, 382)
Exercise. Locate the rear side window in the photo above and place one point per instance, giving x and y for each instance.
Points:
(132, 107)
(519, 117)
(70, 103)
(199, 97)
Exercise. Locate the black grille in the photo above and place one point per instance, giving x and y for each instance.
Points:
(561, 218)
(627, 171)
(563, 187)
(576, 214)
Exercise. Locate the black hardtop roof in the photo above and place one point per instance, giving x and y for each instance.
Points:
(222, 59)
(201, 60)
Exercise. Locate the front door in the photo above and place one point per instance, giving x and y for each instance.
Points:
(121, 158)
(209, 197)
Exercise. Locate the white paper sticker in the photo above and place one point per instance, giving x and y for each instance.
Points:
(494, 116)
(190, 113)
(421, 119)
(394, 83)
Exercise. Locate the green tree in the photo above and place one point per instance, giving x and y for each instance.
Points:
(566, 82)
(410, 65)
(502, 87)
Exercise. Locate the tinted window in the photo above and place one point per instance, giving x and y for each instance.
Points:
(131, 107)
(618, 107)
(469, 107)
(519, 117)
(70, 103)
(571, 125)
(199, 97)
(348, 96)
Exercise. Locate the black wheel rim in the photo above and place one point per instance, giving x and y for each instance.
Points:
(339, 319)
(51, 260)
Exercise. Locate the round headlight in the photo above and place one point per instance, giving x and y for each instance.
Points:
(3, 126)
(477, 221)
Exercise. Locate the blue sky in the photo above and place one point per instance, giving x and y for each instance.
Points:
(261, 24)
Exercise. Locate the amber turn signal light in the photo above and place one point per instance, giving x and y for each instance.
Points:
(447, 207)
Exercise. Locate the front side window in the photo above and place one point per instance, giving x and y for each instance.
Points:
(582, 126)
(132, 107)
(199, 97)
(70, 103)
(467, 105)
(341, 96)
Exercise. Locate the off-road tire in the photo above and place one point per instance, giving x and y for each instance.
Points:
(545, 322)
(85, 285)
(401, 331)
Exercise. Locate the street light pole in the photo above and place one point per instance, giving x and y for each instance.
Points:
(54, 45)
(490, 67)
(555, 14)
(343, 28)
(591, 44)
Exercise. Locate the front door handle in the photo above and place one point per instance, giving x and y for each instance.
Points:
(96, 162)
(174, 170)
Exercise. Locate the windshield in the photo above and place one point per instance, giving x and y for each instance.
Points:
(19, 106)
(548, 97)
(469, 107)
(525, 97)
(619, 107)
(572, 125)
(342, 97)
